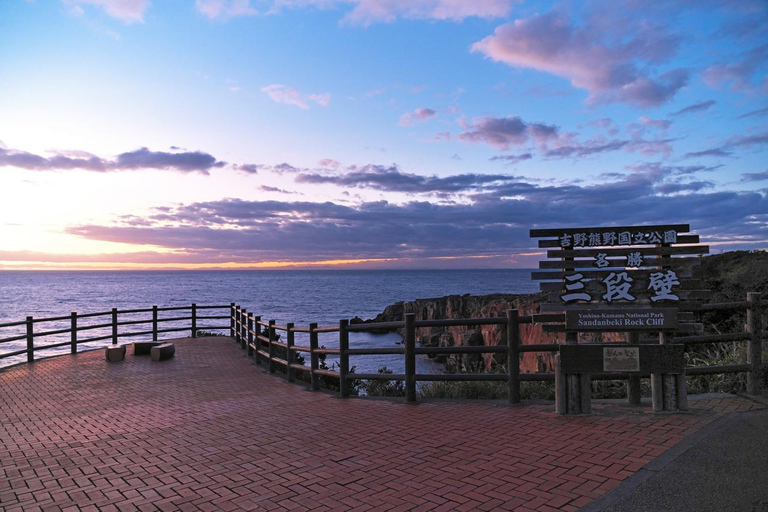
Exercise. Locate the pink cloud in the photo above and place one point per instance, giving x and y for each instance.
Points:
(290, 96)
(740, 73)
(367, 12)
(608, 72)
(329, 163)
(225, 8)
(419, 115)
(503, 132)
(128, 11)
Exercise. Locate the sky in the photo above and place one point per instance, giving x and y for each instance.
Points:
(373, 133)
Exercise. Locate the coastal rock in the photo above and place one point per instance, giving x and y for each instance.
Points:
(480, 306)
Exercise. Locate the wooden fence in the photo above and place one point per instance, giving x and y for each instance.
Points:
(260, 339)
(246, 329)
(115, 324)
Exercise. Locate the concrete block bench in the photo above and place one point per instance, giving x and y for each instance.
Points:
(144, 348)
(115, 354)
(163, 351)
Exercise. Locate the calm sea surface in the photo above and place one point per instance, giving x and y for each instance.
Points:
(301, 297)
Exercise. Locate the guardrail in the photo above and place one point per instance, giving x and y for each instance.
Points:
(261, 339)
(114, 327)
(246, 329)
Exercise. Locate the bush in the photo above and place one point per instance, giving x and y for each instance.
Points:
(391, 388)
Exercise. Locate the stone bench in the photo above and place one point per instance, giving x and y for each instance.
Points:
(115, 353)
(144, 348)
(162, 351)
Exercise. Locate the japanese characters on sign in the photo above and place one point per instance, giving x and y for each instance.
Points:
(618, 287)
(614, 238)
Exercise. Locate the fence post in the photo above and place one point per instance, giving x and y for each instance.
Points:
(754, 344)
(669, 382)
(250, 334)
(114, 326)
(154, 323)
(30, 340)
(410, 357)
(289, 351)
(343, 357)
(232, 320)
(634, 389)
(194, 320)
(236, 323)
(256, 340)
(271, 346)
(243, 328)
(513, 356)
(314, 362)
(73, 332)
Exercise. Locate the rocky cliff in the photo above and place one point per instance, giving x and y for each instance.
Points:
(481, 306)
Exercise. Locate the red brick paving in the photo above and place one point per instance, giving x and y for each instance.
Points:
(209, 431)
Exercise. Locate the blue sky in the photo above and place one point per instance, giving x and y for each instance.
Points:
(373, 133)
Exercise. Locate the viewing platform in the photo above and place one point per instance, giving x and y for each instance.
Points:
(209, 430)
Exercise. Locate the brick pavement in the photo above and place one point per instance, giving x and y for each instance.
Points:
(209, 431)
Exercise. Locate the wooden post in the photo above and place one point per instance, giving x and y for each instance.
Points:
(585, 393)
(154, 323)
(243, 327)
(754, 344)
(194, 320)
(682, 393)
(232, 320)
(289, 351)
(314, 361)
(561, 400)
(657, 392)
(73, 332)
(410, 357)
(256, 340)
(114, 326)
(573, 384)
(513, 356)
(237, 324)
(30, 340)
(250, 334)
(669, 383)
(634, 391)
(271, 347)
(343, 357)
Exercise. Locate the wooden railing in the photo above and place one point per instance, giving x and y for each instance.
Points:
(246, 329)
(119, 323)
(261, 339)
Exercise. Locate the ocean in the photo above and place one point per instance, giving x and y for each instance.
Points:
(298, 296)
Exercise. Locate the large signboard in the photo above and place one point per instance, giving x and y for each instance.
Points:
(619, 266)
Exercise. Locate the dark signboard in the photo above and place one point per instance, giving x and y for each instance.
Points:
(624, 319)
(621, 358)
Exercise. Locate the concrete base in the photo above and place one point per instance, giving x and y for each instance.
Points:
(115, 354)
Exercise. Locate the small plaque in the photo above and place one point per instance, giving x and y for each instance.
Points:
(621, 359)
(617, 320)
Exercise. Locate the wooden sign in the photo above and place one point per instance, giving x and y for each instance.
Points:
(615, 319)
(622, 358)
(620, 266)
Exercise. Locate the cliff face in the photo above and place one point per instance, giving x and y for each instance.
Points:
(482, 306)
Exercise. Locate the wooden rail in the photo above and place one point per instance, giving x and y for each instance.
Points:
(119, 324)
(263, 341)
(267, 343)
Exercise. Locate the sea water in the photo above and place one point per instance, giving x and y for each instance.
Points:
(298, 296)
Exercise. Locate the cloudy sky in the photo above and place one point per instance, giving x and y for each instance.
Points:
(373, 133)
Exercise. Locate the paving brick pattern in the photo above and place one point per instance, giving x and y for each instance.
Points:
(207, 430)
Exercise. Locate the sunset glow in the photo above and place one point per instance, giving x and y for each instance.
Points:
(372, 134)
